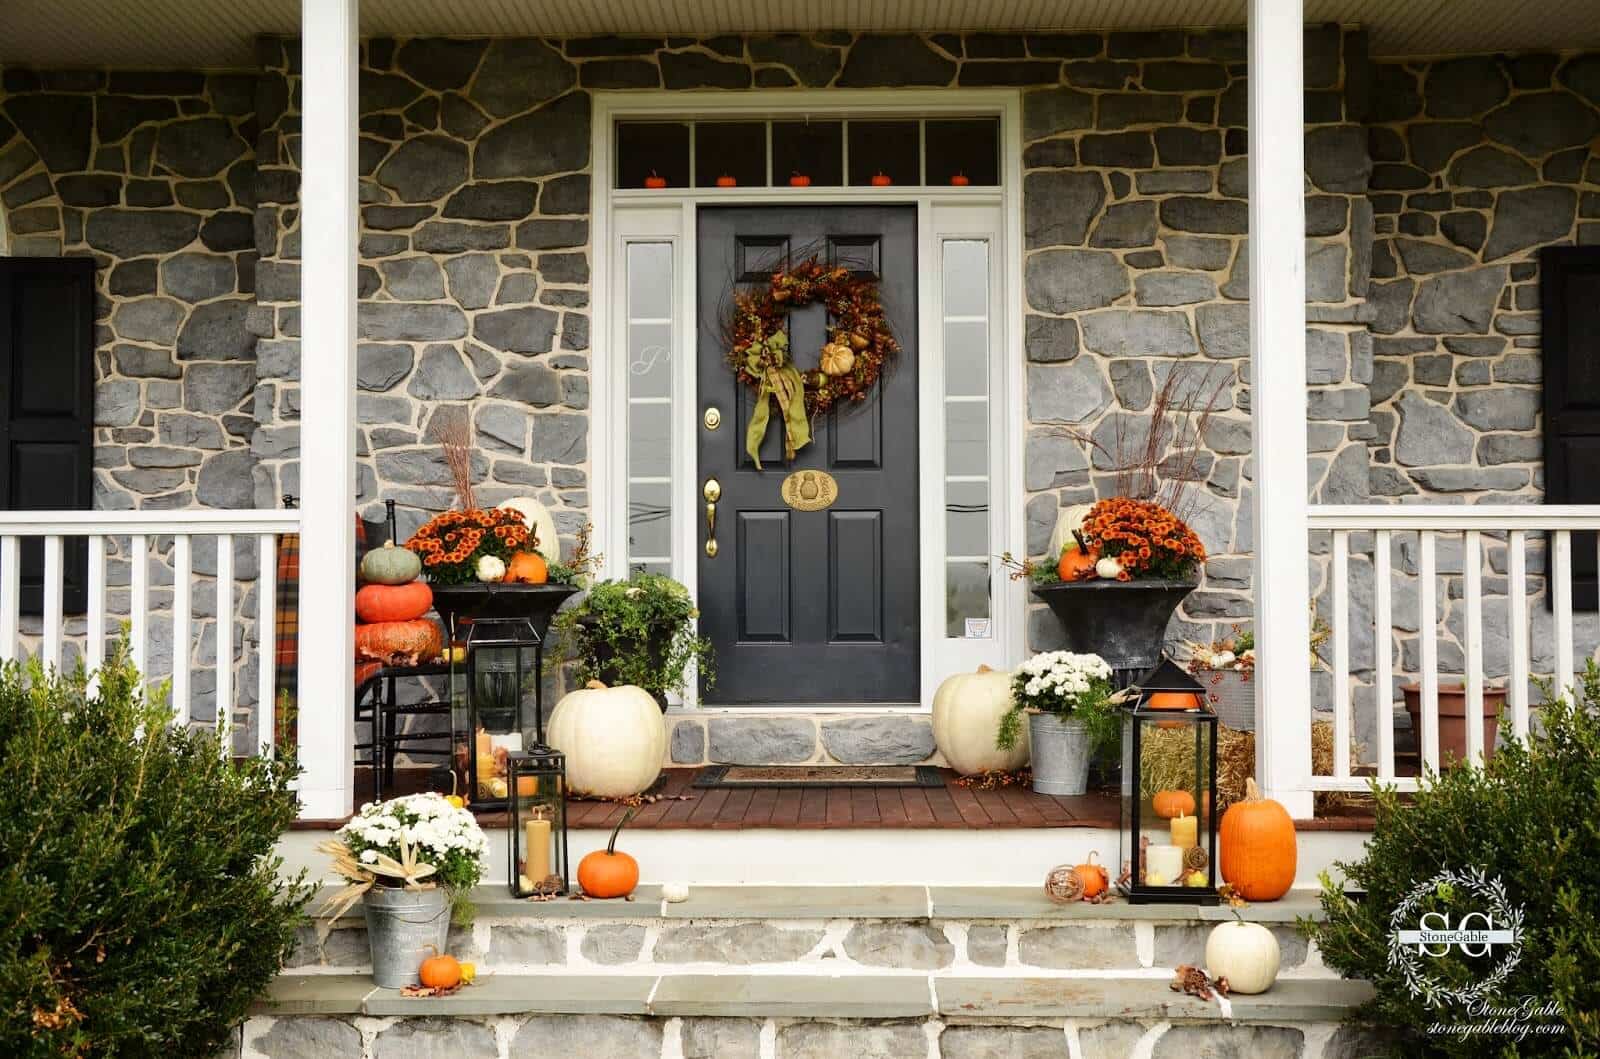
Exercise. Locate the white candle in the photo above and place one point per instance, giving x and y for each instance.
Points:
(1163, 861)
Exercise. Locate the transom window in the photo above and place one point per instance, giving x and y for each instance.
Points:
(790, 152)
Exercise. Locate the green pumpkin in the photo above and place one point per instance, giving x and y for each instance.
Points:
(390, 565)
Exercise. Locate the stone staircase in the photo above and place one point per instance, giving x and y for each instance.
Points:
(795, 972)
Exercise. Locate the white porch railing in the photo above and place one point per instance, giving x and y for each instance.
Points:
(1503, 536)
(143, 539)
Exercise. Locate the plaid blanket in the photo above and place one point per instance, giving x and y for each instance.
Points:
(286, 627)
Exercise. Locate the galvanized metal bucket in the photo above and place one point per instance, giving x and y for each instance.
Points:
(404, 927)
(1060, 754)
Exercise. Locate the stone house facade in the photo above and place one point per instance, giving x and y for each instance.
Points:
(1430, 188)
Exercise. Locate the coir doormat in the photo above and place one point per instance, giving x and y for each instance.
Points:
(819, 776)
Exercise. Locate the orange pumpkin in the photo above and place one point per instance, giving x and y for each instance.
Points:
(527, 568)
(1173, 700)
(399, 642)
(607, 873)
(1092, 875)
(1075, 565)
(393, 602)
(1258, 847)
(1169, 804)
(440, 971)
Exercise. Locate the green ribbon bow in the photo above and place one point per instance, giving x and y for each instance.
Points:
(784, 385)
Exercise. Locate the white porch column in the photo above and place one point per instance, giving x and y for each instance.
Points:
(329, 43)
(1278, 399)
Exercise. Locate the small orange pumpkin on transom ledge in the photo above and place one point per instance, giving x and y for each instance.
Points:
(608, 872)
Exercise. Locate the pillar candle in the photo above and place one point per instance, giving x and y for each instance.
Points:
(1185, 830)
(536, 849)
(1165, 862)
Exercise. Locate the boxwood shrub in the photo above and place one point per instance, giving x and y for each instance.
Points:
(141, 906)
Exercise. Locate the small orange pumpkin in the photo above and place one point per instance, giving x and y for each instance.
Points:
(1169, 804)
(607, 873)
(1092, 875)
(1076, 564)
(399, 642)
(1173, 700)
(393, 602)
(440, 971)
(527, 568)
(1258, 847)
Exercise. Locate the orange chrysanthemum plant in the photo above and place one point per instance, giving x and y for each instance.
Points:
(451, 543)
(1144, 538)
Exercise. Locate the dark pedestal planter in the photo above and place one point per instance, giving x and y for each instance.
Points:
(605, 657)
(537, 603)
(1121, 621)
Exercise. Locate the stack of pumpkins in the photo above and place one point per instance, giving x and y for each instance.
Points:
(390, 608)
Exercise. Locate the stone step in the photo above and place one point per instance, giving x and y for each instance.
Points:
(828, 931)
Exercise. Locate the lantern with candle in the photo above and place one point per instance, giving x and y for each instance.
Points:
(1169, 776)
(538, 835)
(496, 701)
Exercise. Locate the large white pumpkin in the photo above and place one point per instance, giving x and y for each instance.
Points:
(966, 716)
(538, 518)
(1068, 522)
(1246, 954)
(614, 739)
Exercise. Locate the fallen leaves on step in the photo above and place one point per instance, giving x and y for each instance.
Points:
(1195, 982)
(995, 779)
(415, 991)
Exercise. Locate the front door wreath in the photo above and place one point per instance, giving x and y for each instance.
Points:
(859, 343)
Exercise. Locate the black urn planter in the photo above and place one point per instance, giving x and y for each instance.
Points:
(1123, 622)
(605, 657)
(537, 603)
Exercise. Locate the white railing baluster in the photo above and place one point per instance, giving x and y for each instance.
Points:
(1562, 575)
(267, 641)
(94, 641)
(1517, 619)
(1383, 654)
(182, 626)
(139, 599)
(224, 660)
(10, 595)
(1472, 566)
(50, 648)
(1341, 653)
(1428, 628)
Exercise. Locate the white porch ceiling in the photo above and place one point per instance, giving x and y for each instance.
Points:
(213, 34)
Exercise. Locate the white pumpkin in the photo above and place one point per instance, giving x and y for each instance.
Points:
(538, 519)
(1107, 568)
(1246, 954)
(1068, 522)
(614, 738)
(966, 715)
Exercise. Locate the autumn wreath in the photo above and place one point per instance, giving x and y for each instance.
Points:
(859, 344)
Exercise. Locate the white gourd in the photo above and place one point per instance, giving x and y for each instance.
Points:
(537, 517)
(615, 739)
(1246, 954)
(966, 716)
(1107, 568)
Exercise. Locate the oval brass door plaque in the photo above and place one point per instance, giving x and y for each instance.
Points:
(809, 490)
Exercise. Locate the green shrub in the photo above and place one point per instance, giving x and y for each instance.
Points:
(141, 910)
(1529, 817)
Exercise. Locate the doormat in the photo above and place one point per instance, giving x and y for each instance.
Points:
(819, 776)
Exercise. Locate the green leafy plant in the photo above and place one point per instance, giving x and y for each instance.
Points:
(639, 631)
(1526, 818)
(1076, 686)
(141, 905)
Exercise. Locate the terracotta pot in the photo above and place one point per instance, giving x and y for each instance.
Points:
(1453, 719)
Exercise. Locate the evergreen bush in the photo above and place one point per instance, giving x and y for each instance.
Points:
(141, 907)
(1528, 818)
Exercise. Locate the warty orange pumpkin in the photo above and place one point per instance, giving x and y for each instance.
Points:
(393, 602)
(1258, 847)
(399, 642)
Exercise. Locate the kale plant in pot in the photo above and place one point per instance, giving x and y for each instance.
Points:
(1072, 712)
(640, 631)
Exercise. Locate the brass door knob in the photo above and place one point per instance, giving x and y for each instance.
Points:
(712, 492)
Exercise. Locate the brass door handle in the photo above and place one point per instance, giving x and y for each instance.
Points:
(712, 492)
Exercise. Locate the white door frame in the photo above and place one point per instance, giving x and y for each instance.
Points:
(992, 214)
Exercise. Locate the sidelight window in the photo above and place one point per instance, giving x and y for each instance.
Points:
(650, 404)
(967, 329)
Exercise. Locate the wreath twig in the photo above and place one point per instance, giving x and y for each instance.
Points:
(859, 344)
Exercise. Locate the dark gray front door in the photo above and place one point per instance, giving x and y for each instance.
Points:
(811, 606)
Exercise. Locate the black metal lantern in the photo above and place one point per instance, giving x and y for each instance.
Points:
(1169, 782)
(538, 839)
(496, 702)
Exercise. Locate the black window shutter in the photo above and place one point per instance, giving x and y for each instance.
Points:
(1569, 296)
(47, 407)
